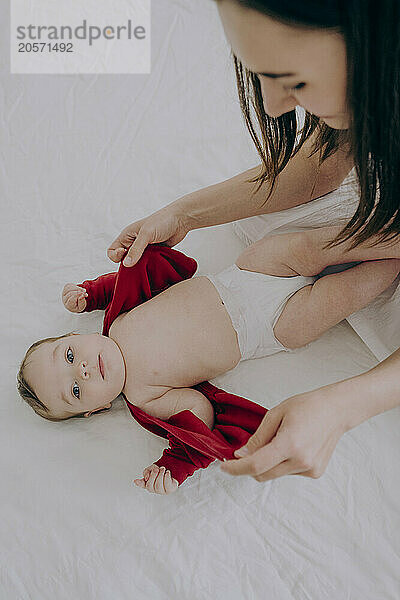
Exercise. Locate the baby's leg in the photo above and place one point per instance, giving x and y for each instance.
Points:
(316, 308)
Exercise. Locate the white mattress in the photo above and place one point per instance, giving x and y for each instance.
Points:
(82, 157)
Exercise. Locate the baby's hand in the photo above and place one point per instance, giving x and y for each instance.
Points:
(74, 297)
(157, 480)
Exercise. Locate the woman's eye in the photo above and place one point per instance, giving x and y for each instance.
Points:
(70, 353)
(299, 86)
(75, 390)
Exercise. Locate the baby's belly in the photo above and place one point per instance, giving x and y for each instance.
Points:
(177, 339)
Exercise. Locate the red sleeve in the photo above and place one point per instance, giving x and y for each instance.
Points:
(99, 291)
(182, 460)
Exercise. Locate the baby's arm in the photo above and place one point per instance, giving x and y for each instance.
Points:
(157, 479)
(179, 399)
(316, 308)
(89, 295)
(100, 291)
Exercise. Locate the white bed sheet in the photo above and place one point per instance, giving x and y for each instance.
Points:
(80, 158)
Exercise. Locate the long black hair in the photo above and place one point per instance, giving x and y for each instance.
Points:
(371, 32)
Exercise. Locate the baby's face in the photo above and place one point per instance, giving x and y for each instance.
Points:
(66, 375)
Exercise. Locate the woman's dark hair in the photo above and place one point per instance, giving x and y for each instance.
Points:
(372, 36)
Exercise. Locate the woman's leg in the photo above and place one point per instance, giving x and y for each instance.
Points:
(316, 308)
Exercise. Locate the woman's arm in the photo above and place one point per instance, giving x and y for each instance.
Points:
(299, 435)
(370, 393)
(299, 182)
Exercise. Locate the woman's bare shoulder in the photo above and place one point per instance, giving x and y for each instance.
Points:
(303, 179)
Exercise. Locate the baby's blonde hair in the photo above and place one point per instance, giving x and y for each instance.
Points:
(28, 394)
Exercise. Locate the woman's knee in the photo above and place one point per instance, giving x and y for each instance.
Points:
(249, 259)
(290, 329)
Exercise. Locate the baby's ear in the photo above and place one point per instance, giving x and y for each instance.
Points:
(94, 412)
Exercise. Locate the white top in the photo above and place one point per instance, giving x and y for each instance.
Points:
(332, 208)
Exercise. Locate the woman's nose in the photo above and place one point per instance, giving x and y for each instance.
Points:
(276, 100)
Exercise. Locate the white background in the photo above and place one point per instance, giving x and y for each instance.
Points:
(81, 157)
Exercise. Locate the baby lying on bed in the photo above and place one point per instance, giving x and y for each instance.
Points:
(177, 336)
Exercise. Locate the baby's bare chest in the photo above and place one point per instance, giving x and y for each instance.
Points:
(177, 339)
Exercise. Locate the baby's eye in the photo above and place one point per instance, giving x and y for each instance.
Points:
(69, 353)
(75, 390)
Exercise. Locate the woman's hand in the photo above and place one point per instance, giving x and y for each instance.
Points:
(157, 481)
(297, 437)
(74, 297)
(166, 225)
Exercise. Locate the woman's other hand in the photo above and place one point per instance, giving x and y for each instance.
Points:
(165, 225)
(74, 297)
(296, 437)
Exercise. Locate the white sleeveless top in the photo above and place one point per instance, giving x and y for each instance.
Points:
(378, 324)
(332, 208)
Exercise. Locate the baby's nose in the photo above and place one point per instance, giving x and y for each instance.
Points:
(84, 369)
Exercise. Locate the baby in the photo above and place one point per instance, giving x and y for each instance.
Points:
(188, 333)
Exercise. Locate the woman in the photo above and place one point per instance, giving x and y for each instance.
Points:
(340, 62)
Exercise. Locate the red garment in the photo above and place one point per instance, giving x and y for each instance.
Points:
(192, 445)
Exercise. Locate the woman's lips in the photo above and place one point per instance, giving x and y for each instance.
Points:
(101, 366)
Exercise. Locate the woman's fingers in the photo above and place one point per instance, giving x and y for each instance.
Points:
(311, 425)
(287, 467)
(123, 242)
(265, 432)
(130, 245)
(294, 466)
(137, 248)
(257, 463)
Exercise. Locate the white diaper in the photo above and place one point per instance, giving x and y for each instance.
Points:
(254, 302)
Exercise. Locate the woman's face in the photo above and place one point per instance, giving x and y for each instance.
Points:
(313, 60)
